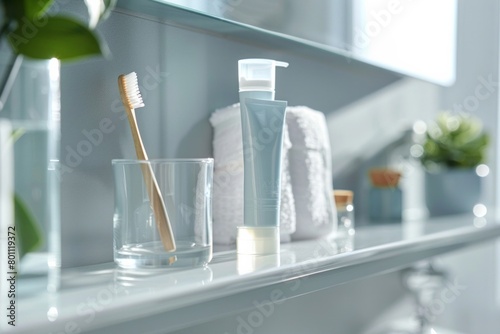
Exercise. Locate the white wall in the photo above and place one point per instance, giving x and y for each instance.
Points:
(476, 87)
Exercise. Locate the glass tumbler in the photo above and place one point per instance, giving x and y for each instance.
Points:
(186, 189)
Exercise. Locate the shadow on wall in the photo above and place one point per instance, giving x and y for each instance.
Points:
(190, 145)
(361, 132)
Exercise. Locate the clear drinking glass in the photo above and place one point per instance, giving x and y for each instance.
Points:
(6, 212)
(186, 188)
(33, 109)
(6, 208)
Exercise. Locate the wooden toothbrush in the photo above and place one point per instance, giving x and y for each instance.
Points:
(132, 99)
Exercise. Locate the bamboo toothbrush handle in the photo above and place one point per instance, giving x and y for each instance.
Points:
(159, 210)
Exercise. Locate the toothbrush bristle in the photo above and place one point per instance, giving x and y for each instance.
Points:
(132, 90)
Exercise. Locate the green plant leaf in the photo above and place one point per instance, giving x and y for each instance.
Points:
(35, 8)
(25, 9)
(455, 141)
(28, 232)
(60, 37)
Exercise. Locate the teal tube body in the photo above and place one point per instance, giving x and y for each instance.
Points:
(262, 122)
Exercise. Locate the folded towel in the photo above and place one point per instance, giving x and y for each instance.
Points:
(311, 173)
(227, 199)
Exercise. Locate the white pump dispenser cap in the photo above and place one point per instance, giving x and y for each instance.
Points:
(258, 74)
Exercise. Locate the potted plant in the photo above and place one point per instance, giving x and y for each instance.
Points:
(454, 145)
(36, 31)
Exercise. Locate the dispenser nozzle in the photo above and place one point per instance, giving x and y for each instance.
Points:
(258, 74)
(281, 64)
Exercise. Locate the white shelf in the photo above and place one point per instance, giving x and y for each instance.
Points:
(106, 299)
(170, 12)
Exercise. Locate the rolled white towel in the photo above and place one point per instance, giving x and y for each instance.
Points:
(311, 173)
(227, 202)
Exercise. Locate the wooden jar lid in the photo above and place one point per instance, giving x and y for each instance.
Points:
(384, 177)
(343, 197)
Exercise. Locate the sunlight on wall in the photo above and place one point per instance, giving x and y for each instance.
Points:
(414, 37)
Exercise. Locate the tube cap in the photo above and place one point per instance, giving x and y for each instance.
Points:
(258, 74)
(258, 240)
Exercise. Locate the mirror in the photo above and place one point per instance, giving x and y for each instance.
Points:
(415, 38)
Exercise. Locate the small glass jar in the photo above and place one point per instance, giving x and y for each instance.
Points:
(385, 196)
(345, 212)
